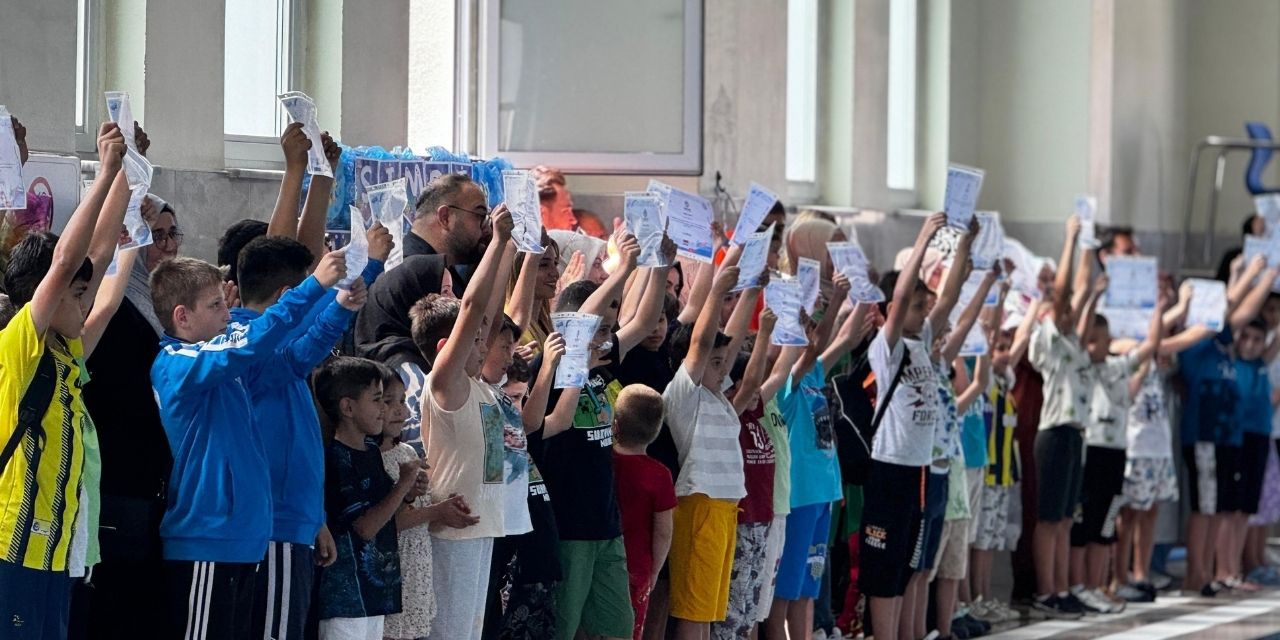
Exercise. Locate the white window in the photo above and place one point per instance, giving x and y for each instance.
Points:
(87, 93)
(901, 157)
(258, 66)
(802, 90)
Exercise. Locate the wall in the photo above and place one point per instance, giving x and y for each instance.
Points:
(38, 69)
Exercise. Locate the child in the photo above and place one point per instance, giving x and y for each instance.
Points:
(219, 516)
(40, 357)
(281, 397)
(463, 431)
(1252, 434)
(646, 494)
(418, 600)
(361, 501)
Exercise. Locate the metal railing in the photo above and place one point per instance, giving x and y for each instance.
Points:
(1221, 146)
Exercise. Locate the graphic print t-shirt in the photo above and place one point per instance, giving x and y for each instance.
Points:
(364, 581)
(906, 435)
(467, 450)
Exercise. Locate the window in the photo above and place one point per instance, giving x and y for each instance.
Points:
(87, 92)
(615, 89)
(901, 157)
(257, 32)
(802, 90)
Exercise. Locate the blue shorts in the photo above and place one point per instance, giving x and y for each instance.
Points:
(804, 553)
(34, 604)
(931, 521)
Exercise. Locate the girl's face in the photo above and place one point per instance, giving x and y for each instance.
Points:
(397, 412)
(659, 335)
(1000, 352)
(548, 274)
(597, 274)
(675, 283)
(166, 238)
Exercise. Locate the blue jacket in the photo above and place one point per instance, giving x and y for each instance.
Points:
(282, 403)
(218, 507)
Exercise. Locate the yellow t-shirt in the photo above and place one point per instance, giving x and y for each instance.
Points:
(38, 510)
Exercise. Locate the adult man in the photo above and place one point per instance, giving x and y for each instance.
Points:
(556, 201)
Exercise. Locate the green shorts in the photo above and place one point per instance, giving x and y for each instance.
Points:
(594, 593)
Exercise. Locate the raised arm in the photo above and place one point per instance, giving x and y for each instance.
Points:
(653, 297)
(955, 339)
(449, 382)
(73, 246)
(1062, 279)
(852, 332)
(1177, 314)
(757, 364)
(561, 417)
(820, 336)
(609, 293)
(106, 234)
(697, 293)
(1252, 303)
(909, 277)
(782, 369)
(708, 323)
(284, 218)
(950, 294)
(316, 208)
(494, 309)
(534, 410)
(1240, 288)
(1155, 331)
(107, 301)
(1084, 274)
(1136, 380)
(978, 386)
(520, 306)
(1084, 323)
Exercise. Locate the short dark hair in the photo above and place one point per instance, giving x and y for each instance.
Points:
(179, 282)
(681, 339)
(637, 415)
(431, 320)
(233, 241)
(269, 263)
(29, 261)
(1258, 324)
(739, 368)
(519, 371)
(1246, 229)
(510, 326)
(1100, 320)
(389, 375)
(889, 283)
(1109, 235)
(440, 191)
(573, 296)
(343, 377)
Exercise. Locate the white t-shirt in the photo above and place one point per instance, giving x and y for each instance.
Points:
(465, 449)
(1148, 429)
(705, 428)
(1064, 365)
(1109, 405)
(906, 432)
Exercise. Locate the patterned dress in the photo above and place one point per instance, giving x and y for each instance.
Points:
(417, 597)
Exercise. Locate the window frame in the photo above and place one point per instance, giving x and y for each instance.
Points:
(263, 152)
(88, 22)
(486, 108)
(801, 184)
(902, 101)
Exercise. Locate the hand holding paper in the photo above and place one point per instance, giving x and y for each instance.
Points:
(689, 222)
(757, 205)
(578, 330)
(522, 198)
(1086, 212)
(754, 260)
(13, 189)
(642, 213)
(964, 184)
(783, 296)
(1208, 307)
(301, 108)
(357, 252)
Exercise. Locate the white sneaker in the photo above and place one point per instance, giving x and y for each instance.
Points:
(933, 635)
(1008, 613)
(820, 634)
(1095, 601)
(983, 610)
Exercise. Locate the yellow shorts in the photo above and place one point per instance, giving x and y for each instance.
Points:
(701, 558)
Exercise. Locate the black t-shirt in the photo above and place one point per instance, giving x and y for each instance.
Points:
(365, 579)
(538, 551)
(577, 464)
(653, 369)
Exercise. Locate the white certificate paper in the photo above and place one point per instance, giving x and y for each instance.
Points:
(388, 202)
(809, 273)
(783, 296)
(1087, 211)
(522, 199)
(757, 205)
(988, 247)
(578, 329)
(1267, 206)
(754, 259)
(357, 250)
(13, 190)
(964, 184)
(642, 212)
(1208, 306)
(301, 108)
(1134, 282)
(689, 219)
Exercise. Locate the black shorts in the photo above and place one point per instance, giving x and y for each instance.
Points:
(1213, 475)
(1253, 469)
(1059, 453)
(1101, 496)
(891, 518)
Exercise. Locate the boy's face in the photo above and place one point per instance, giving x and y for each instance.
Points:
(367, 410)
(397, 412)
(1099, 345)
(1251, 344)
(726, 309)
(73, 308)
(517, 392)
(918, 308)
(717, 369)
(499, 357)
(1000, 351)
(656, 337)
(204, 320)
(1271, 311)
(479, 350)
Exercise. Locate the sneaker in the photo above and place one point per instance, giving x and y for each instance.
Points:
(1212, 589)
(1072, 603)
(1236, 584)
(985, 611)
(932, 635)
(1161, 581)
(1146, 586)
(1008, 613)
(1117, 604)
(1133, 593)
(1090, 601)
(1054, 607)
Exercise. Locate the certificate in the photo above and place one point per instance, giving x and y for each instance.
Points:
(578, 330)
(1087, 212)
(357, 250)
(642, 211)
(13, 190)
(809, 273)
(388, 202)
(1127, 322)
(1268, 207)
(521, 193)
(964, 184)
(757, 205)
(662, 189)
(988, 247)
(1133, 282)
(846, 256)
(754, 259)
(1208, 306)
(689, 219)
(302, 108)
(783, 296)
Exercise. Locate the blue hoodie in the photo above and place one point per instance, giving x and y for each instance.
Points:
(282, 402)
(219, 509)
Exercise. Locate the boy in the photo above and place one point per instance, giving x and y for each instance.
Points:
(646, 494)
(363, 584)
(219, 518)
(1252, 434)
(463, 431)
(281, 396)
(41, 359)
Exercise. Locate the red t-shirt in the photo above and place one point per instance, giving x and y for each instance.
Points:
(758, 464)
(644, 488)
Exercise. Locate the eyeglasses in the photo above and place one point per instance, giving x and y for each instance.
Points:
(161, 236)
(482, 213)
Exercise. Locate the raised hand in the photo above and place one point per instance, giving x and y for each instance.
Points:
(668, 250)
(502, 223)
(526, 351)
(718, 237)
(932, 225)
(768, 320)
(629, 249)
(1073, 226)
(553, 350)
(725, 280)
(353, 298)
(841, 285)
(332, 150)
(1100, 285)
(20, 136)
(295, 144)
(141, 139)
(380, 242)
(332, 268)
(575, 271)
(111, 149)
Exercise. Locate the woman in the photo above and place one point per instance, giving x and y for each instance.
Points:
(537, 326)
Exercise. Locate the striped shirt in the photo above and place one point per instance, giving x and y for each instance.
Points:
(705, 428)
(1002, 450)
(40, 486)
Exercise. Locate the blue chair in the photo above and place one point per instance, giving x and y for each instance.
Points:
(1258, 159)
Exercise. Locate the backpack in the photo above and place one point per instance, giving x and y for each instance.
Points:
(857, 418)
(31, 409)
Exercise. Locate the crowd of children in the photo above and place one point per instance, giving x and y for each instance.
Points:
(317, 453)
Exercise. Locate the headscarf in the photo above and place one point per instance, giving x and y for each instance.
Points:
(138, 288)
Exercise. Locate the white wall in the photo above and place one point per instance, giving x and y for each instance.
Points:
(38, 69)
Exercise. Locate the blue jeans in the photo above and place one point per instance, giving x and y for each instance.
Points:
(34, 604)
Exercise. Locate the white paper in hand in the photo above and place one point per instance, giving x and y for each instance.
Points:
(1127, 322)
(137, 169)
(138, 232)
(964, 184)
(301, 108)
(642, 212)
(689, 219)
(809, 273)
(1266, 247)
(754, 259)
(388, 203)
(846, 256)
(357, 251)
(1268, 207)
(1087, 211)
(1208, 306)
(863, 290)
(526, 214)
(757, 205)
(578, 330)
(1133, 282)
(120, 112)
(662, 189)
(783, 296)
(988, 247)
(13, 190)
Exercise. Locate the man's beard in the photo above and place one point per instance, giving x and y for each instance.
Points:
(467, 253)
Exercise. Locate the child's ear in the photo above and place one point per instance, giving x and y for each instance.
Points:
(440, 344)
(346, 407)
(179, 316)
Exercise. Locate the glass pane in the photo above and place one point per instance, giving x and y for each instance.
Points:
(82, 41)
(802, 90)
(252, 38)
(901, 161)
(591, 76)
